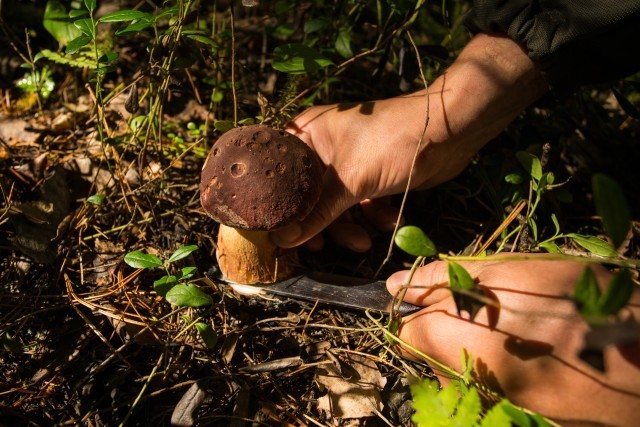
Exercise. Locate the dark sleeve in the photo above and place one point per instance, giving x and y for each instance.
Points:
(574, 42)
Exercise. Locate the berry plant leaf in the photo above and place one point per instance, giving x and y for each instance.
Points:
(164, 285)
(78, 43)
(182, 252)
(414, 241)
(90, 4)
(188, 272)
(612, 207)
(463, 289)
(86, 27)
(137, 259)
(188, 295)
(208, 335)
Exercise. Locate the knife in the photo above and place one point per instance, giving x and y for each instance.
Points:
(331, 289)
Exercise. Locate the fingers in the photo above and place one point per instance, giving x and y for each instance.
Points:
(381, 214)
(428, 284)
(334, 200)
(350, 235)
(438, 331)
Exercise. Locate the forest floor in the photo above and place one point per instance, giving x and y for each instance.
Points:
(87, 339)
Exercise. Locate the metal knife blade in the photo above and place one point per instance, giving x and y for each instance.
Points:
(344, 291)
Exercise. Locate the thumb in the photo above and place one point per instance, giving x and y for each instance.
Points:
(334, 200)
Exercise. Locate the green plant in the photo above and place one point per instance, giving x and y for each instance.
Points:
(37, 81)
(175, 287)
(459, 404)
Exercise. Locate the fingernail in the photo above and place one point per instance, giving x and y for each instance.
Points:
(287, 235)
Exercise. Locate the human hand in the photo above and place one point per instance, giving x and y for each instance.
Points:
(528, 349)
(368, 148)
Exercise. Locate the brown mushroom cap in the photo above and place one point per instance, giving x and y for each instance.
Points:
(259, 178)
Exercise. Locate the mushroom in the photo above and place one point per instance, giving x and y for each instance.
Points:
(256, 179)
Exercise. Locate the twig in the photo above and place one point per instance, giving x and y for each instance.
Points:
(233, 66)
(144, 387)
(508, 220)
(413, 162)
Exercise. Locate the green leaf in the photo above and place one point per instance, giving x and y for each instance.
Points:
(594, 245)
(460, 279)
(188, 272)
(168, 13)
(203, 39)
(618, 293)
(413, 241)
(78, 43)
(96, 199)
(207, 334)
(33, 81)
(246, 122)
(125, 16)
(182, 252)
(316, 25)
(520, 418)
(556, 224)
(343, 43)
(188, 296)
(513, 178)
(428, 405)
(223, 126)
(137, 122)
(534, 228)
(550, 247)
(10, 344)
(90, 5)
(164, 284)
(108, 57)
(135, 27)
(86, 27)
(496, 417)
(283, 31)
(137, 259)
(530, 163)
(587, 293)
(56, 21)
(469, 409)
(612, 207)
(298, 58)
(78, 62)
(77, 13)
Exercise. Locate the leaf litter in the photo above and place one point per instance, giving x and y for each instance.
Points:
(86, 338)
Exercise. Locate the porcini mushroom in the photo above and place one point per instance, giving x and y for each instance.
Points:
(256, 179)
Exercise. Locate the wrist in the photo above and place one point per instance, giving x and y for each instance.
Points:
(490, 83)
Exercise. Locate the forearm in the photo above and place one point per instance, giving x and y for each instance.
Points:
(490, 83)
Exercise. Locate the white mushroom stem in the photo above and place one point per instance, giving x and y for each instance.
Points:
(248, 257)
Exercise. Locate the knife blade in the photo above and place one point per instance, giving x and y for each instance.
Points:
(331, 289)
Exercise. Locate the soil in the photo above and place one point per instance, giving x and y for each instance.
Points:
(87, 340)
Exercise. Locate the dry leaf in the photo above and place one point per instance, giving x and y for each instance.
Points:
(355, 397)
(189, 403)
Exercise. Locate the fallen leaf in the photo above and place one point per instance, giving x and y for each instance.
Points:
(189, 403)
(356, 397)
